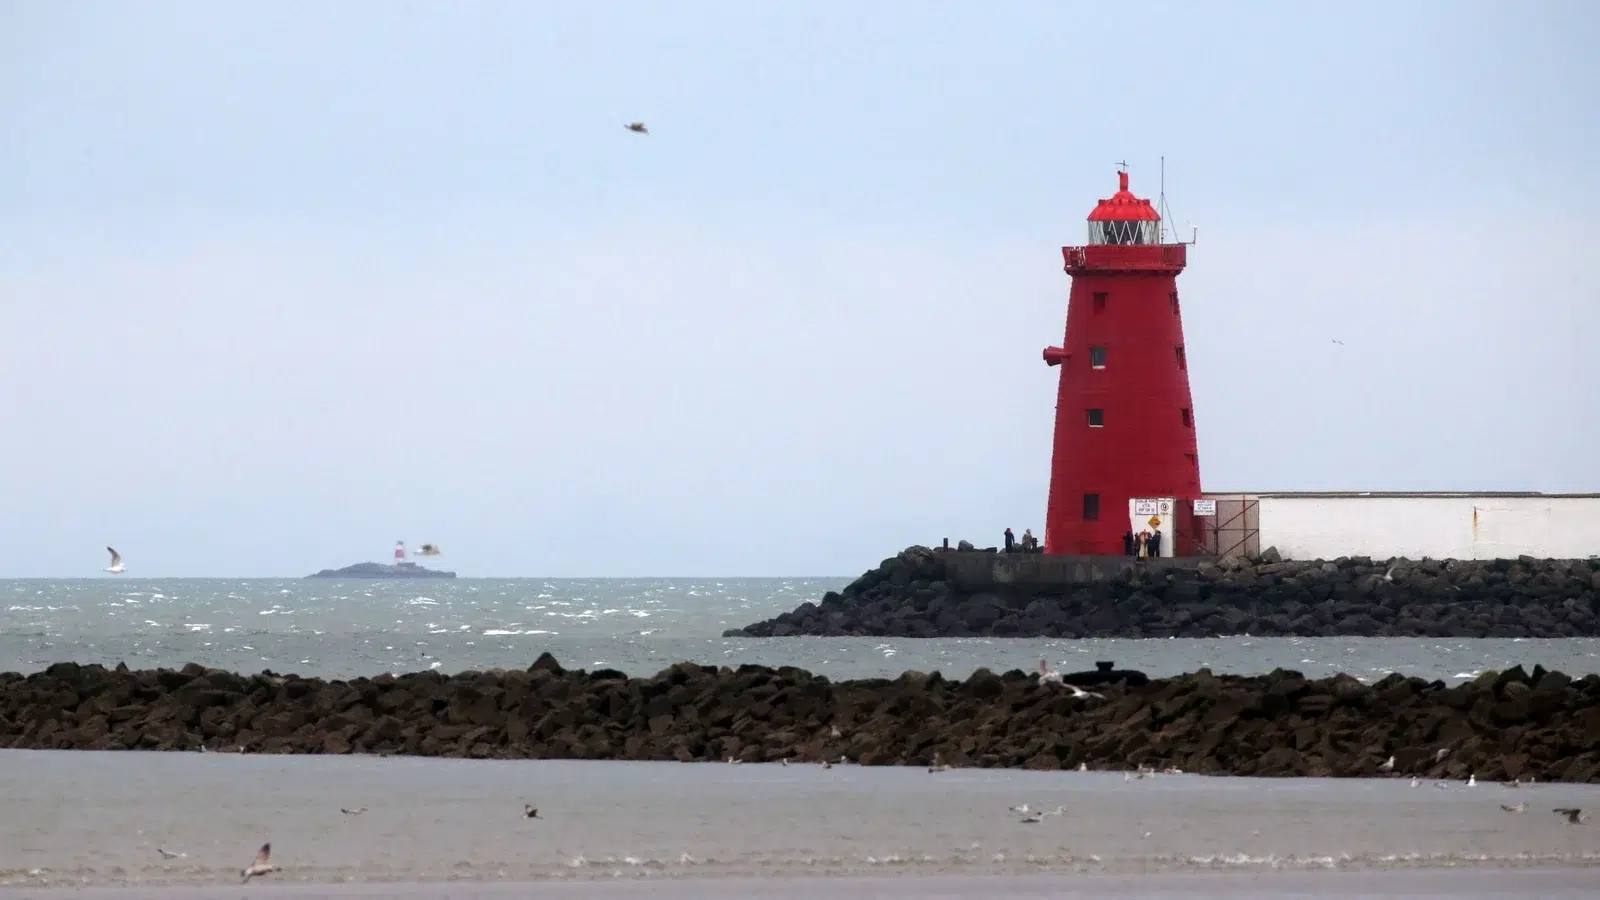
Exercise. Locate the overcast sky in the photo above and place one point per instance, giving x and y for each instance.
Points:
(281, 284)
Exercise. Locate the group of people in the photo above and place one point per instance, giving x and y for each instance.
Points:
(1028, 544)
(1143, 544)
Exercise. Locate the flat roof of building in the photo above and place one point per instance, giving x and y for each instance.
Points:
(1398, 494)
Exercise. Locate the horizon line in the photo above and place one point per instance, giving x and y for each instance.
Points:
(422, 578)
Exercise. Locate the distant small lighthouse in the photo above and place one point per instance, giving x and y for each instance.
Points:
(399, 552)
(1124, 457)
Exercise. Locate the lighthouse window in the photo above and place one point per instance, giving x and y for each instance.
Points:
(1099, 301)
(1091, 507)
(1141, 232)
(1183, 363)
(1097, 357)
(1097, 418)
(1188, 420)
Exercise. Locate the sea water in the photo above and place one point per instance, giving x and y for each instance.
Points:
(346, 629)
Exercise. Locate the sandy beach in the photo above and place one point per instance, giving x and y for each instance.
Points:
(453, 822)
(1547, 884)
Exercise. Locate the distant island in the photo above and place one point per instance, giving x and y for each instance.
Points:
(379, 570)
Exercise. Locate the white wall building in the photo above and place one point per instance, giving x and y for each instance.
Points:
(1318, 525)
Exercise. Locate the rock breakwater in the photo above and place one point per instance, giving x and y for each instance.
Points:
(915, 594)
(1501, 725)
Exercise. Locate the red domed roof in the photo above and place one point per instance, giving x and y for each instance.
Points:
(1123, 206)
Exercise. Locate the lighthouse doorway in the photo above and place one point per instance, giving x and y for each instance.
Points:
(1154, 516)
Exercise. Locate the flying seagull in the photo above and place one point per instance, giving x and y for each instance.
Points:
(530, 812)
(261, 866)
(1574, 815)
(170, 854)
(116, 562)
(637, 128)
(428, 550)
(1079, 693)
(353, 812)
(1518, 808)
(1337, 341)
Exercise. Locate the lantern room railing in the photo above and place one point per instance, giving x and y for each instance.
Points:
(1126, 258)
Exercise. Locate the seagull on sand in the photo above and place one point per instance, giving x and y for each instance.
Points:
(940, 767)
(530, 812)
(1387, 766)
(1574, 815)
(1029, 820)
(1518, 808)
(353, 812)
(637, 128)
(116, 562)
(170, 854)
(261, 866)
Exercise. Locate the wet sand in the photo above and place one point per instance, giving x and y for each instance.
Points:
(1500, 884)
(95, 819)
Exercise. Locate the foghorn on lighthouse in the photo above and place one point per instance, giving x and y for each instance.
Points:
(1124, 458)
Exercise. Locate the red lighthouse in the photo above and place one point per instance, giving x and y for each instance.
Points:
(1124, 456)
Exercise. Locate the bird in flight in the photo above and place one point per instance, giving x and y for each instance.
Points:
(1339, 342)
(116, 562)
(637, 128)
(428, 550)
(261, 866)
(1574, 816)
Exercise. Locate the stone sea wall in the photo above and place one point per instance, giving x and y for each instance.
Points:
(1502, 725)
(927, 593)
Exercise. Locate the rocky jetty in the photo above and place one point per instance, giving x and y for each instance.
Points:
(379, 570)
(1502, 725)
(914, 594)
